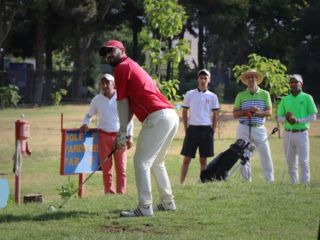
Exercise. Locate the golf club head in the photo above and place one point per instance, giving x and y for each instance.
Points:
(276, 129)
(51, 208)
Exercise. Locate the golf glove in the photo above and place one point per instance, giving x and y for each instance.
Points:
(121, 139)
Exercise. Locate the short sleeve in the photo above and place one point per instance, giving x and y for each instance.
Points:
(237, 102)
(312, 109)
(215, 102)
(281, 110)
(268, 100)
(186, 101)
(121, 76)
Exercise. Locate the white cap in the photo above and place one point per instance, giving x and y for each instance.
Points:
(297, 77)
(204, 71)
(107, 76)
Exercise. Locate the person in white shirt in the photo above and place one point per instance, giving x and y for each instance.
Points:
(199, 114)
(104, 105)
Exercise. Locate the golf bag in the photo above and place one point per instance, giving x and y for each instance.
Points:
(218, 168)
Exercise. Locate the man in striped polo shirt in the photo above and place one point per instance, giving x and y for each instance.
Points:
(297, 110)
(251, 107)
(199, 115)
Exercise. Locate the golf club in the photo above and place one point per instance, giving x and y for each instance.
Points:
(285, 157)
(52, 208)
(274, 130)
(251, 147)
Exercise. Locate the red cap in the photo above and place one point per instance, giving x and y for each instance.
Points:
(110, 44)
(113, 44)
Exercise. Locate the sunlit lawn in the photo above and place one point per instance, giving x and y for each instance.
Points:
(219, 210)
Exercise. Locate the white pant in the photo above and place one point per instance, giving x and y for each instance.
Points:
(296, 147)
(258, 138)
(158, 131)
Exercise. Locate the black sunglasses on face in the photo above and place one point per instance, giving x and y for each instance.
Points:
(104, 51)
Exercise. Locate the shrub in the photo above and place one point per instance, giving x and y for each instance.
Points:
(170, 89)
(57, 96)
(9, 95)
(67, 190)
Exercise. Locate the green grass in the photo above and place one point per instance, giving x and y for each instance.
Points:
(218, 210)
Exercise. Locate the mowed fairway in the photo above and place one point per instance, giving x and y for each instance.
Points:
(218, 210)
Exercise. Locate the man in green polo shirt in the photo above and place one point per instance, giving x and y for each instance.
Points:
(296, 111)
(251, 107)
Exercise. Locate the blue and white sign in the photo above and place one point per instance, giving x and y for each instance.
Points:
(79, 151)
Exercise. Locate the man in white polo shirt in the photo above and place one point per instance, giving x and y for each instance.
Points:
(104, 106)
(199, 114)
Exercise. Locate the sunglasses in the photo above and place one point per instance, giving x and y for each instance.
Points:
(104, 51)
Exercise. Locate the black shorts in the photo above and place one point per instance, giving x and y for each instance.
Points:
(198, 137)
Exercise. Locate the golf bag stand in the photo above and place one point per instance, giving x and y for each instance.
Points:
(218, 168)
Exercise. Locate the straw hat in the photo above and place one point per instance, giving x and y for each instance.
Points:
(244, 80)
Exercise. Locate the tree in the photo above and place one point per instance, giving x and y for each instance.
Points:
(165, 20)
(307, 52)
(28, 38)
(133, 12)
(39, 9)
(217, 24)
(84, 21)
(8, 12)
(271, 26)
(274, 72)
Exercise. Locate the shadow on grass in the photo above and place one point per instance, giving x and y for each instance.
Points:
(43, 217)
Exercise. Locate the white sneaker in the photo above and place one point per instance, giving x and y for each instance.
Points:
(171, 206)
(138, 212)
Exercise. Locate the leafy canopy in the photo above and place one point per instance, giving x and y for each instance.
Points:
(274, 72)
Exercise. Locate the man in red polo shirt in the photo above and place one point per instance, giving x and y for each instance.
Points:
(138, 94)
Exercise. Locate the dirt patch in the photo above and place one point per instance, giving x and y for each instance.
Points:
(114, 229)
(145, 228)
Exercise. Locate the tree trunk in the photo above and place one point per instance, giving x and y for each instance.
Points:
(79, 74)
(169, 63)
(200, 46)
(40, 60)
(182, 67)
(135, 53)
(48, 89)
(80, 65)
(220, 65)
(80, 68)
